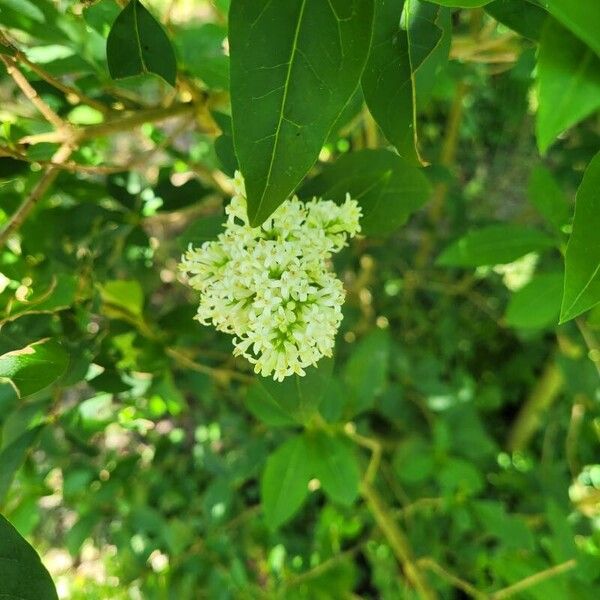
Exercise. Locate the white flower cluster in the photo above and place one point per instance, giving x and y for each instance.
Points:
(270, 286)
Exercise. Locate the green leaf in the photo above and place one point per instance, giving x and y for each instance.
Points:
(22, 574)
(429, 34)
(523, 17)
(201, 51)
(284, 484)
(545, 194)
(582, 261)
(387, 188)
(462, 3)
(24, 7)
(293, 400)
(494, 245)
(387, 79)
(125, 294)
(202, 230)
(537, 304)
(366, 371)
(294, 66)
(568, 75)
(138, 44)
(580, 16)
(34, 367)
(333, 462)
(12, 457)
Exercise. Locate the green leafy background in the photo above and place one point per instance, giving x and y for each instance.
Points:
(449, 449)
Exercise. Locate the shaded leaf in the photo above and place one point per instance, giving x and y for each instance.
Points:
(525, 18)
(125, 294)
(387, 188)
(582, 261)
(296, 397)
(24, 7)
(22, 574)
(568, 75)
(494, 245)
(34, 367)
(284, 484)
(545, 194)
(138, 44)
(12, 457)
(288, 86)
(387, 79)
(582, 18)
(333, 462)
(537, 304)
(366, 371)
(462, 3)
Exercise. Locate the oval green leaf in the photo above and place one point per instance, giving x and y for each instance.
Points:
(333, 462)
(294, 66)
(138, 44)
(581, 17)
(494, 245)
(537, 305)
(387, 188)
(568, 75)
(582, 261)
(34, 367)
(284, 484)
(22, 574)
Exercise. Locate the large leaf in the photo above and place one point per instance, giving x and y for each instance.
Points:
(494, 245)
(293, 400)
(387, 81)
(582, 261)
(333, 463)
(366, 371)
(537, 304)
(34, 367)
(462, 3)
(546, 195)
(429, 33)
(22, 574)
(284, 484)
(523, 17)
(387, 188)
(568, 83)
(582, 17)
(294, 66)
(11, 458)
(25, 7)
(138, 44)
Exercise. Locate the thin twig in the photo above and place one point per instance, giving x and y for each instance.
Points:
(68, 90)
(33, 96)
(38, 191)
(457, 582)
(384, 519)
(591, 342)
(219, 374)
(534, 579)
(151, 115)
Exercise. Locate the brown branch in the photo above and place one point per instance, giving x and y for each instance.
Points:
(534, 579)
(457, 582)
(68, 90)
(540, 399)
(38, 191)
(223, 375)
(32, 95)
(385, 520)
(151, 115)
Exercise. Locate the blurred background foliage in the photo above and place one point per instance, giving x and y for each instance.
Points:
(453, 453)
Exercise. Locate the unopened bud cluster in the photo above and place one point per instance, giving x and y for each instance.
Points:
(271, 286)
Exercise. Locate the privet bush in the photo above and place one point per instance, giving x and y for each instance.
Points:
(299, 299)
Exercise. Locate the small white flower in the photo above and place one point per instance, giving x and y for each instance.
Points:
(271, 286)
